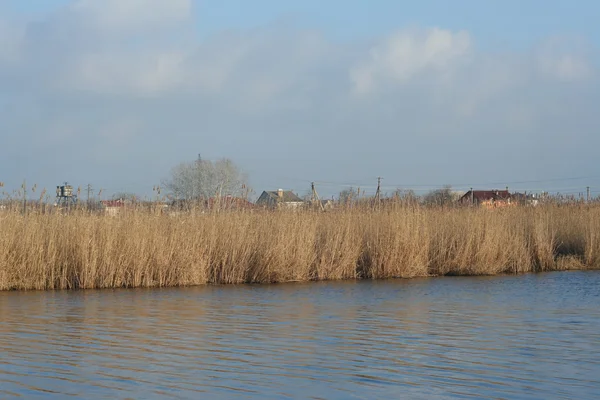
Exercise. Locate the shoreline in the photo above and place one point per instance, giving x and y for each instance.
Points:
(292, 282)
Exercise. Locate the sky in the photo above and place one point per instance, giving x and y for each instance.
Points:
(483, 94)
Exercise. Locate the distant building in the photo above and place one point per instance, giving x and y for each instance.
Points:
(525, 199)
(487, 198)
(113, 207)
(279, 199)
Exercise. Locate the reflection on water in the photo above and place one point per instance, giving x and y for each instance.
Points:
(533, 336)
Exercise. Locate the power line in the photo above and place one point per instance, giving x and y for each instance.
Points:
(496, 183)
(437, 185)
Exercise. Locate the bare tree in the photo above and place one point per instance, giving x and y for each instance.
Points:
(406, 197)
(203, 179)
(439, 197)
(348, 196)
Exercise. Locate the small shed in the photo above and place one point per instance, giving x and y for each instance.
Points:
(280, 199)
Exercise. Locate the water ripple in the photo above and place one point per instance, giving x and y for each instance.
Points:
(526, 337)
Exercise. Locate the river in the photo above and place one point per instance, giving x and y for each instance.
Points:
(512, 337)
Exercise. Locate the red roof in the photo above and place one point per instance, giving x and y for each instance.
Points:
(484, 195)
(113, 203)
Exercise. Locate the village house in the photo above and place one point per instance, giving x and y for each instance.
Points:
(112, 207)
(525, 199)
(279, 199)
(487, 198)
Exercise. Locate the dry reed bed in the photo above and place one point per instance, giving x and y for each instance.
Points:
(144, 250)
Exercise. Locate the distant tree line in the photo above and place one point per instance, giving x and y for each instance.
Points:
(438, 197)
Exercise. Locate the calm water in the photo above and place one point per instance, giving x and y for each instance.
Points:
(525, 337)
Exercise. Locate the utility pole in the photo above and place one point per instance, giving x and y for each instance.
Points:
(588, 194)
(89, 189)
(378, 193)
(315, 196)
(472, 197)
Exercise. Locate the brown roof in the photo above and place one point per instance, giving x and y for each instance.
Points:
(484, 195)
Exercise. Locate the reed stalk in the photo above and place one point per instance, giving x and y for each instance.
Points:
(147, 249)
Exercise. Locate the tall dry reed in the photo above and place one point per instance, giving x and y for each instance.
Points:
(142, 249)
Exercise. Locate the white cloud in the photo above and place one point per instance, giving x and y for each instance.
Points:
(122, 16)
(125, 47)
(564, 59)
(566, 67)
(137, 73)
(403, 55)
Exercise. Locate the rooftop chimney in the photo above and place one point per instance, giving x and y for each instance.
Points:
(280, 193)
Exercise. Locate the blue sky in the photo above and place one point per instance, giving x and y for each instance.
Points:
(339, 92)
(511, 23)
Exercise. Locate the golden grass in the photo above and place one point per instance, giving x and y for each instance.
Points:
(142, 249)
